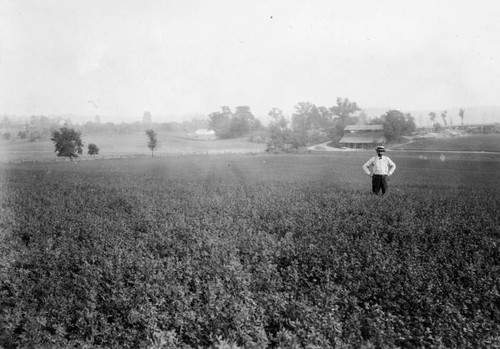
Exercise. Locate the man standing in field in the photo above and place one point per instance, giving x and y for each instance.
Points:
(379, 168)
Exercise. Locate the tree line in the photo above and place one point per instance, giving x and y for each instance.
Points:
(39, 127)
(308, 124)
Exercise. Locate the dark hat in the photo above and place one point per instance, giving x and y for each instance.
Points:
(380, 148)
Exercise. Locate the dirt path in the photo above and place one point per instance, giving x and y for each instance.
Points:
(325, 147)
(410, 140)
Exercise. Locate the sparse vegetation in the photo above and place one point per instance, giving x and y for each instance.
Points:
(153, 141)
(461, 114)
(444, 115)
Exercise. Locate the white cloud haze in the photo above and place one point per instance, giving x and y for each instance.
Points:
(120, 58)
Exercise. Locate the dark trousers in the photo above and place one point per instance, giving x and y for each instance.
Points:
(379, 182)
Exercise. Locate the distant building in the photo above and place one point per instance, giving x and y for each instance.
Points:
(205, 134)
(363, 136)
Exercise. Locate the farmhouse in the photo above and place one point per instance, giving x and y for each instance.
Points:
(363, 136)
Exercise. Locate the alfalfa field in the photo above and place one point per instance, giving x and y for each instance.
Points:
(251, 251)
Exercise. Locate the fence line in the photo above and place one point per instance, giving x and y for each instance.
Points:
(242, 151)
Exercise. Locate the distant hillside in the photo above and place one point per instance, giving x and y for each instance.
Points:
(473, 115)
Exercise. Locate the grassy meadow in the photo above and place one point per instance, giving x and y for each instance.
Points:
(482, 142)
(250, 251)
(127, 145)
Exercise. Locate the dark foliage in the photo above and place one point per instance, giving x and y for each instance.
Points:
(93, 149)
(227, 124)
(67, 142)
(396, 124)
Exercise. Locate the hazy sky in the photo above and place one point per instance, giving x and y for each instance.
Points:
(120, 58)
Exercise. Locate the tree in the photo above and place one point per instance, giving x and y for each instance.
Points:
(278, 118)
(220, 122)
(22, 134)
(297, 140)
(153, 141)
(344, 109)
(93, 149)
(193, 125)
(432, 117)
(242, 122)
(68, 142)
(444, 114)
(461, 113)
(304, 117)
(397, 124)
(278, 130)
(325, 117)
(6, 136)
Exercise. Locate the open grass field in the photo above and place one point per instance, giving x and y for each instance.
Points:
(127, 145)
(486, 142)
(175, 143)
(250, 251)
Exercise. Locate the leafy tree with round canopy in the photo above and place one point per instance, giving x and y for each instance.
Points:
(343, 114)
(93, 149)
(396, 124)
(220, 122)
(306, 113)
(242, 122)
(68, 142)
(344, 109)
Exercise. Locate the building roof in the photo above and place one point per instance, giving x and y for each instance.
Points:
(364, 128)
(204, 131)
(364, 138)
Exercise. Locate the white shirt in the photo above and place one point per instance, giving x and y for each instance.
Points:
(379, 166)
